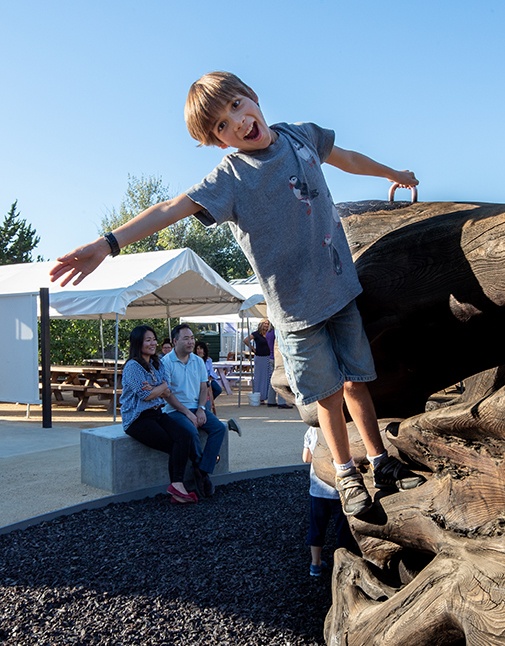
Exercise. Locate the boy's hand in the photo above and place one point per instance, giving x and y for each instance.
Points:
(80, 262)
(405, 178)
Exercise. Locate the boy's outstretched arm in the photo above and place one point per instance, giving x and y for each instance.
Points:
(82, 261)
(358, 164)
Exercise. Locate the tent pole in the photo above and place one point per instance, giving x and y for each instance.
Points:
(101, 341)
(45, 358)
(236, 356)
(116, 355)
(168, 324)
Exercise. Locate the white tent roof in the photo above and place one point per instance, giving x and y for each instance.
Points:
(253, 305)
(159, 284)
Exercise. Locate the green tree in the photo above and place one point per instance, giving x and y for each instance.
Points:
(216, 246)
(17, 239)
(141, 193)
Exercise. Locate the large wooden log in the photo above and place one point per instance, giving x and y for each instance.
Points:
(433, 301)
(433, 305)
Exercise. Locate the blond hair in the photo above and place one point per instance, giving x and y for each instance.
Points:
(206, 97)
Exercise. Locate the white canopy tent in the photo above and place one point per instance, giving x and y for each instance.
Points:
(135, 286)
(159, 284)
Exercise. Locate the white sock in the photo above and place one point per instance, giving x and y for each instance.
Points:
(375, 459)
(343, 467)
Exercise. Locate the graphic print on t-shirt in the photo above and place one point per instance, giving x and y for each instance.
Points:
(302, 192)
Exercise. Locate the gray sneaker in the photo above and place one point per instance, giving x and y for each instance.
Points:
(354, 496)
(390, 473)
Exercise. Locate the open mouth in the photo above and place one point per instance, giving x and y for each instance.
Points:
(254, 132)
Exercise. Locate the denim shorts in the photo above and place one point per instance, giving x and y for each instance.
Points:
(319, 359)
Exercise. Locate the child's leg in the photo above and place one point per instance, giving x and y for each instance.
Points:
(348, 481)
(316, 552)
(320, 516)
(361, 409)
(389, 473)
(332, 422)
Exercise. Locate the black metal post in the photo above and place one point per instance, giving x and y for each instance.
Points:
(45, 359)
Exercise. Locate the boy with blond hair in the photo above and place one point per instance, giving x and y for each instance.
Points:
(274, 196)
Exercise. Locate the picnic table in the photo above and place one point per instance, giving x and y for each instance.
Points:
(230, 371)
(85, 381)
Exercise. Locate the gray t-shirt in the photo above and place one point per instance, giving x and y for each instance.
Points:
(281, 213)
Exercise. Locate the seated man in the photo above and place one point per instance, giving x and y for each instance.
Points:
(188, 382)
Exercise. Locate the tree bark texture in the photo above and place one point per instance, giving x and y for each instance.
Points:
(433, 304)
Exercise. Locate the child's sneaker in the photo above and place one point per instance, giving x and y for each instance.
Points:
(354, 496)
(390, 473)
(317, 570)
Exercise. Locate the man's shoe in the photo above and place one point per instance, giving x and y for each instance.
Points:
(390, 473)
(284, 406)
(208, 487)
(199, 481)
(317, 570)
(272, 405)
(233, 426)
(354, 496)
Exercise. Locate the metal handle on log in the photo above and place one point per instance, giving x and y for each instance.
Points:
(413, 193)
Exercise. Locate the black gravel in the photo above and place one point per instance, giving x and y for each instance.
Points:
(232, 570)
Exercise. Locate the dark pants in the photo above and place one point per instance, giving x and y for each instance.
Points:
(216, 388)
(156, 430)
(322, 510)
(215, 429)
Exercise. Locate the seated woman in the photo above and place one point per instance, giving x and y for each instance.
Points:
(202, 350)
(145, 392)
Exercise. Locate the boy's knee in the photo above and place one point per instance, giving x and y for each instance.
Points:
(353, 387)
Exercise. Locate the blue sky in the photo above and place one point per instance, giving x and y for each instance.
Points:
(94, 90)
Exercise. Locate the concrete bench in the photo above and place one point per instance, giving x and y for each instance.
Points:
(114, 461)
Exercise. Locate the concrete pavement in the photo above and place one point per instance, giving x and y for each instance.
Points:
(40, 468)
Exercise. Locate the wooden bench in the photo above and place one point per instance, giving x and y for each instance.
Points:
(114, 461)
(83, 393)
(58, 388)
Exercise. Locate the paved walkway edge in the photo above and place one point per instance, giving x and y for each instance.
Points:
(150, 492)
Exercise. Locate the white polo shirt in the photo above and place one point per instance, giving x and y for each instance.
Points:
(184, 379)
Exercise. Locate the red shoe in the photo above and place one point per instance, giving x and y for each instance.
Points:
(182, 497)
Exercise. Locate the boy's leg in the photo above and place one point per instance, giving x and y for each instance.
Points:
(332, 422)
(360, 406)
(348, 480)
(389, 473)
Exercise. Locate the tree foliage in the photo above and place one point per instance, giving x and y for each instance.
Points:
(141, 193)
(216, 246)
(72, 341)
(17, 239)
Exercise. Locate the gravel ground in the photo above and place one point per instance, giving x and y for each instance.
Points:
(232, 570)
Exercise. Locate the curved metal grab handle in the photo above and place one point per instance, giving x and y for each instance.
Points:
(413, 193)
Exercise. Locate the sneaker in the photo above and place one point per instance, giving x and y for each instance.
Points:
(390, 473)
(233, 426)
(317, 570)
(354, 496)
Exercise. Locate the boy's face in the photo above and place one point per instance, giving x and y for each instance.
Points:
(240, 124)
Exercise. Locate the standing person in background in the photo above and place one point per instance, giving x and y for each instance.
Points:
(202, 350)
(274, 399)
(261, 351)
(145, 392)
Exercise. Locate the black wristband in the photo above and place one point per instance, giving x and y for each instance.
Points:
(113, 244)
